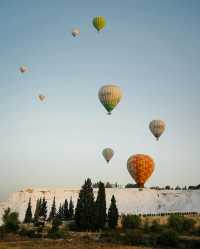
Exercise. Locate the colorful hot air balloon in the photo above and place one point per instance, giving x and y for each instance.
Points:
(110, 96)
(140, 167)
(41, 97)
(157, 127)
(108, 154)
(23, 69)
(99, 22)
(75, 32)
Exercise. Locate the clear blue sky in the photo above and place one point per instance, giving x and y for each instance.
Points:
(150, 48)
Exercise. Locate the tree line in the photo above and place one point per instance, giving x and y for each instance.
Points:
(64, 212)
(89, 213)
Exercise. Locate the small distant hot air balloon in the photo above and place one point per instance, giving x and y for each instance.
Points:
(110, 96)
(108, 154)
(157, 127)
(99, 22)
(140, 167)
(23, 69)
(75, 32)
(41, 97)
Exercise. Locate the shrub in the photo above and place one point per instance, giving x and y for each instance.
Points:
(10, 220)
(31, 233)
(55, 232)
(146, 226)
(168, 237)
(58, 234)
(188, 224)
(134, 237)
(113, 236)
(131, 221)
(72, 226)
(27, 232)
(156, 226)
(2, 232)
(176, 222)
(181, 223)
(196, 231)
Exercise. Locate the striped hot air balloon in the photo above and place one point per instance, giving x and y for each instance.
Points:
(140, 167)
(108, 154)
(23, 69)
(157, 127)
(99, 22)
(110, 96)
(75, 32)
(41, 97)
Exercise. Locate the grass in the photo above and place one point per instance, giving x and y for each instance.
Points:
(63, 244)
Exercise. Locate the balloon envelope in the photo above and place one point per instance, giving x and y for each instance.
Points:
(99, 22)
(140, 167)
(41, 97)
(110, 96)
(75, 32)
(23, 69)
(108, 154)
(157, 127)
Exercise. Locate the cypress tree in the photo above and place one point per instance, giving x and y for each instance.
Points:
(52, 213)
(37, 210)
(60, 212)
(43, 209)
(100, 207)
(84, 213)
(65, 210)
(28, 214)
(71, 209)
(113, 214)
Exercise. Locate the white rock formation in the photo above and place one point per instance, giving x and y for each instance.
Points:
(128, 200)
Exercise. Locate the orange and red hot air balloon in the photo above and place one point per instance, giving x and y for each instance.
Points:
(140, 167)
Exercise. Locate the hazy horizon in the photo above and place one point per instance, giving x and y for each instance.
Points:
(150, 49)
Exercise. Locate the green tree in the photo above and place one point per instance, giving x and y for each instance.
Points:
(71, 209)
(100, 207)
(84, 213)
(113, 214)
(37, 210)
(52, 213)
(60, 212)
(65, 210)
(28, 214)
(43, 210)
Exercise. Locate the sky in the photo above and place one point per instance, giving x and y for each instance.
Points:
(150, 48)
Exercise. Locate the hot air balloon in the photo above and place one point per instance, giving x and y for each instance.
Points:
(140, 167)
(157, 127)
(75, 32)
(108, 154)
(23, 69)
(99, 22)
(41, 97)
(110, 96)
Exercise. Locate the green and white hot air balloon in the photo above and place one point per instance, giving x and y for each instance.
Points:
(110, 96)
(99, 22)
